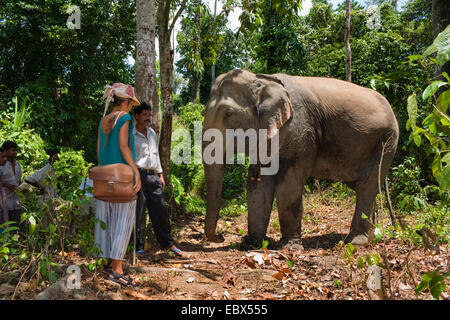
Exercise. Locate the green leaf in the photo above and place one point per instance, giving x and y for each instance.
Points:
(414, 57)
(349, 249)
(428, 120)
(432, 88)
(412, 110)
(434, 281)
(360, 262)
(446, 158)
(436, 166)
(441, 43)
(443, 101)
(408, 124)
(369, 260)
(4, 250)
(376, 259)
(444, 179)
(32, 226)
(417, 140)
(445, 75)
(363, 216)
(10, 229)
(378, 235)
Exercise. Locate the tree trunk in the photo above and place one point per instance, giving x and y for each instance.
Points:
(195, 85)
(213, 68)
(348, 51)
(441, 19)
(394, 4)
(146, 84)
(441, 15)
(165, 28)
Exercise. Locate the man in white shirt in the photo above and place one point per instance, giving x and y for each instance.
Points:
(10, 177)
(151, 193)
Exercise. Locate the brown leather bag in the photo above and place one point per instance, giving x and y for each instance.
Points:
(113, 183)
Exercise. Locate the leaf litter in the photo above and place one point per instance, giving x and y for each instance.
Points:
(223, 271)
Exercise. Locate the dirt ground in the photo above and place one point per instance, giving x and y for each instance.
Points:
(219, 271)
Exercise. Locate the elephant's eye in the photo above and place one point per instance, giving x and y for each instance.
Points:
(228, 114)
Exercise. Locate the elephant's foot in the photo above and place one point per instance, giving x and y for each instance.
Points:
(213, 237)
(293, 244)
(357, 239)
(249, 243)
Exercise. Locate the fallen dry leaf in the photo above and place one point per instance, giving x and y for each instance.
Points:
(250, 262)
(279, 275)
(228, 278)
(135, 294)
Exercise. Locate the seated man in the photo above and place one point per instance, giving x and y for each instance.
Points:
(43, 178)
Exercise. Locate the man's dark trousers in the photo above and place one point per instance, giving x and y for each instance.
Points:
(151, 195)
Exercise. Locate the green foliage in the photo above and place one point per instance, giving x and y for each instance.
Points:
(188, 181)
(406, 190)
(31, 148)
(213, 43)
(436, 125)
(433, 281)
(189, 185)
(71, 169)
(47, 223)
(64, 71)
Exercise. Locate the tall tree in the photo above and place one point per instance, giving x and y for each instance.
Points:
(166, 53)
(146, 84)
(213, 67)
(270, 23)
(348, 51)
(218, 45)
(197, 75)
(441, 19)
(64, 71)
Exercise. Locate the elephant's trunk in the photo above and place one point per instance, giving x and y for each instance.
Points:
(214, 180)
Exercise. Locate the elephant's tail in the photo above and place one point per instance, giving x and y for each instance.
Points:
(388, 198)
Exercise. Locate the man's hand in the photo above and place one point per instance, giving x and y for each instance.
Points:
(161, 177)
(137, 182)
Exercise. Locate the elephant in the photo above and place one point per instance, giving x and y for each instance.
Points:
(327, 128)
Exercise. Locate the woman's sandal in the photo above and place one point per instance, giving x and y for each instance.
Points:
(177, 252)
(125, 277)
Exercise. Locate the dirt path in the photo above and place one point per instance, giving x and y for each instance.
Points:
(223, 271)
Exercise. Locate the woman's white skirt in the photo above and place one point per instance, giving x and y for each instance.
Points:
(119, 219)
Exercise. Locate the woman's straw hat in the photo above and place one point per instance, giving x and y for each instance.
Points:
(119, 90)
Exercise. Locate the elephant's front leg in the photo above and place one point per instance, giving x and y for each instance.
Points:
(288, 193)
(260, 195)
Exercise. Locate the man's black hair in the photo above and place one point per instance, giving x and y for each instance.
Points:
(2, 149)
(143, 106)
(9, 144)
(52, 152)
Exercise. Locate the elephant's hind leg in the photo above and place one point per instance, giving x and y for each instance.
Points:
(366, 192)
(365, 200)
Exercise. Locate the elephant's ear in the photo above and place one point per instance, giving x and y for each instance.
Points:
(273, 105)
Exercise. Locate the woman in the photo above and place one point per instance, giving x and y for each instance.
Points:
(115, 144)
